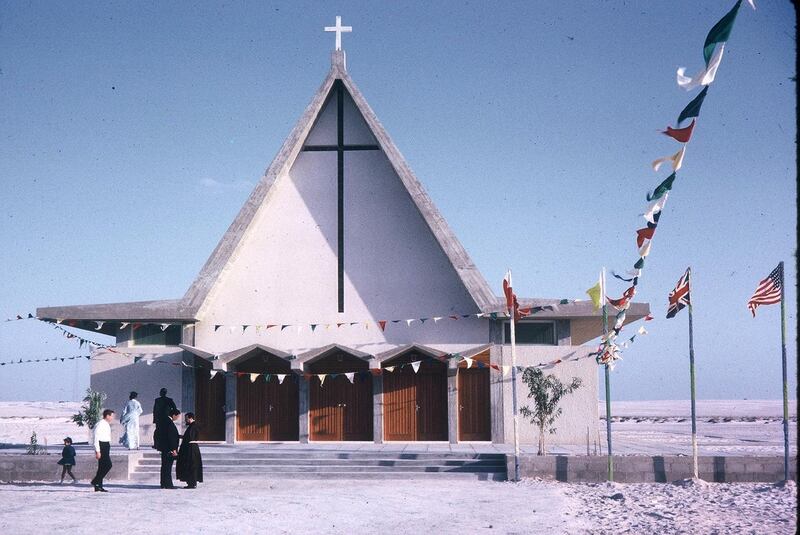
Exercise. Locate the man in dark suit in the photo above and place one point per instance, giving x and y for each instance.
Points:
(168, 446)
(161, 409)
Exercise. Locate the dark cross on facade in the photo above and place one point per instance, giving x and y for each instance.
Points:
(337, 92)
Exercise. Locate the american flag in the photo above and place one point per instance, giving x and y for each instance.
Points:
(679, 297)
(769, 290)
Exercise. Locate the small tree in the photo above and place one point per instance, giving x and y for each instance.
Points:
(33, 446)
(91, 409)
(546, 391)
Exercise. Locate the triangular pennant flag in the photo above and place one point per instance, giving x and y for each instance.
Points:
(641, 330)
(321, 377)
(639, 265)
(253, 377)
(493, 315)
(327, 326)
(149, 362)
(350, 376)
(270, 325)
(382, 324)
(436, 318)
(244, 328)
(648, 318)
(99, 325)
(135, 359)
(258, 328)
(281, 377)
(415, 365)
(408, 322)
(389, 368)
(720, 32)
(682, 135)
(595, 294)
(642, 235)
(314, 327)
(644, 250)
(676, 160)
(423, 320)
(164, 326)
(185, 364)
(216, 327)
(705, 76)
(136, 326)
(283, 327)
(655, 208)
(267, 377)
(212, 373)
(453, 317)
(693, 108)
(339, 325)
(662, 189)
(468, 360)
(123, 325)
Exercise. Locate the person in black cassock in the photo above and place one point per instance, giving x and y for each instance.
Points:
(168, 446)
(161, 408)
(190, 463)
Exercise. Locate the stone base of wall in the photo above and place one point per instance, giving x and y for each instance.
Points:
(651, 469)
(21, 467)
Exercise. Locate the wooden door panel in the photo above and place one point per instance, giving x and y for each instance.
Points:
(474, 414)
(251, 402)
(282, 405)
(209, 403)
(399, 405)
(339, 410)
(432, 404)
(357, 407)
(325, 418)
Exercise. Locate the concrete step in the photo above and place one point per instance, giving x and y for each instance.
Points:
(306, 454)
(237, 476)
(322, 468)
(235, 461)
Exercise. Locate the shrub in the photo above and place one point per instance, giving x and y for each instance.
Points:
(546, 392)
(91, 410)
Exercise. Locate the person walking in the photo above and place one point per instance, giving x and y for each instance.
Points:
(102, 449)
(67, 460)
(130, 422)
(161, 409)
(168, 446)
(190, 464)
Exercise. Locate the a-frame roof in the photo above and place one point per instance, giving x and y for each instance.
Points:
(472, 279)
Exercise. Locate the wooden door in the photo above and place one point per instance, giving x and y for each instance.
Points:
(282, 401)
(339, 409)
(474, 412)
(266, 410)
(415, 404)
(209, 402)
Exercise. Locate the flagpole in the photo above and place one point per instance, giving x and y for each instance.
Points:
(608, 381)
(785, 386)
(514, 389)
(695, 469)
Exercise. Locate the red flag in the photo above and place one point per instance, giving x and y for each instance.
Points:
(382, 324)
(680, 134)
(644, 234)
(512, 304)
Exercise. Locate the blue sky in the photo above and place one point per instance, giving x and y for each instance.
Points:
(133, 133)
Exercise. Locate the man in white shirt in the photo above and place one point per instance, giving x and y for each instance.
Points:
(102, 449)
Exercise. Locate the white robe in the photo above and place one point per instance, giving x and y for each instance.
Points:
(130, 422)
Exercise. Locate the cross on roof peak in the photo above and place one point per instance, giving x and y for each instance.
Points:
(339, 29)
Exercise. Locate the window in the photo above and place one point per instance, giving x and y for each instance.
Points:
(152, 335)
(532, 333)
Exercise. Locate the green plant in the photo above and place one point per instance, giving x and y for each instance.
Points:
(33, 446)
(546, 391)
(91, 409)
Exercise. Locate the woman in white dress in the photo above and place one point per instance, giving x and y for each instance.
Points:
(130, 422)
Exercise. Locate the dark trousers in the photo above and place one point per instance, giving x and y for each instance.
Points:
(103, 465)
(66, 469)
(166, 469)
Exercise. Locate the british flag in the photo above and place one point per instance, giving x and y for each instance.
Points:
(769, 290)
(679, 297)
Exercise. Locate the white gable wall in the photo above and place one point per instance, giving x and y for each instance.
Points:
(285, 269)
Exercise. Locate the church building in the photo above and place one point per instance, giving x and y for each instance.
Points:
(340, 306)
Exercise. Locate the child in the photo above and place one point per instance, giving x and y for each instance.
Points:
(67, 460)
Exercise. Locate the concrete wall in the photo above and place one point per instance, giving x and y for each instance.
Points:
(579, 415)
(285, 269)
(646, 469)
(21, 467)
(116, 374)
